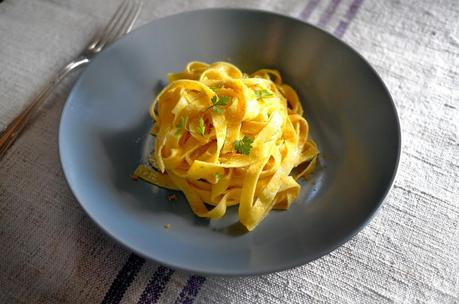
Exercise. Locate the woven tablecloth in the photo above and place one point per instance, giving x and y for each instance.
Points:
(51, 252)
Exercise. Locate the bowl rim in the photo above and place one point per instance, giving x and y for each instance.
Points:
(265, 270)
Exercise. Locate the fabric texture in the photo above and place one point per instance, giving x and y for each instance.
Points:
(51, 252)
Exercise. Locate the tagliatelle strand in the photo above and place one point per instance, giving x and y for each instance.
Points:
(224, 138)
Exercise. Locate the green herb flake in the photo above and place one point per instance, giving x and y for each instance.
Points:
(218, 177)
(262, 93)
(219, 102)
(201, 127)
(181, 125)
(244, 145)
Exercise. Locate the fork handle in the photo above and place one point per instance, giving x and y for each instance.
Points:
(15, 128)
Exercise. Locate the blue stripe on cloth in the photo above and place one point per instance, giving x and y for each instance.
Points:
(156, 285)
(308, 9)
(328, 13)
(124, 278)
(350, 14)
(190, 290)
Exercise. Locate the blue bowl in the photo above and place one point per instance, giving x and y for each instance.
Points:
(104, 136)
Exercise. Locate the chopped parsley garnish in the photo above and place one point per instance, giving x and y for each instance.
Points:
(262, 93)
(244, 145)
(201, 127)
(219, 102)
(181, 125)
(218, 176)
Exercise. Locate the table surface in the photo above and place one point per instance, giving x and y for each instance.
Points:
(51, 251)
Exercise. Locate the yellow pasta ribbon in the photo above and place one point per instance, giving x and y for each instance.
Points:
(224, 138)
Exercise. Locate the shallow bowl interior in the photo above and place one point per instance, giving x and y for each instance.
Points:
(104, 135)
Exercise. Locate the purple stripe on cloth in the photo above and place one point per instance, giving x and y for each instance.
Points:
(190, 290)
(308, 9)
(124, 278)
(328, 13)
(350, 14)
(156, 285)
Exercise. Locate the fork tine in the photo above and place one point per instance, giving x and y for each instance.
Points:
(114, 29)
(129, 25)
(126, 22)
(123, 24)
(121, 8)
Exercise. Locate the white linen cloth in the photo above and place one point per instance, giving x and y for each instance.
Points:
(51, 252)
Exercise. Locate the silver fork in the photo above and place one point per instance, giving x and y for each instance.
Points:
(120, 24)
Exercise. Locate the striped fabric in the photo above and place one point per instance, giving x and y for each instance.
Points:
(53, 253)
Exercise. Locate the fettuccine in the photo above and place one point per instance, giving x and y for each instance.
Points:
(224, 138)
